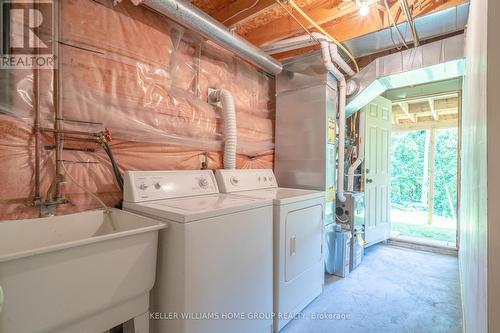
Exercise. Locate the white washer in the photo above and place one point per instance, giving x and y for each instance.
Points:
(215, 260)
(298, 237)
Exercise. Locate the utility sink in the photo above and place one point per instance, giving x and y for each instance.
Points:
(84, 272)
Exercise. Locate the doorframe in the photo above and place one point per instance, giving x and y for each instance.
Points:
(434, 126)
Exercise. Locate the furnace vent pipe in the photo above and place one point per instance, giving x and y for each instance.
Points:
(196, 20)
(327, 60)
(229, 114)
(294, 43)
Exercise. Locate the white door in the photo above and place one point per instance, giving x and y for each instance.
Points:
(377, 170)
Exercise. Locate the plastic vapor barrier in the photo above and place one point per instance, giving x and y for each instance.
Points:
(130, 70)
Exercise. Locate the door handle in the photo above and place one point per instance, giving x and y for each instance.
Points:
(293, 244)
(369, 180)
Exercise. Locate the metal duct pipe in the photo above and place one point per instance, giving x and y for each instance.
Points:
(437, 61)
(194, 19)
(429, 26)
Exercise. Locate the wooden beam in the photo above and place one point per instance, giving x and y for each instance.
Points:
(406, 110)
(433, 109)
(432, 158)
(363, 25)
(339, 22)
(240, 11)
(286, 26)
(424, 198)
(424, 98)
(440, 124)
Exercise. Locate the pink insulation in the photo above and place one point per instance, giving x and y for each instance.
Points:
(146, 80)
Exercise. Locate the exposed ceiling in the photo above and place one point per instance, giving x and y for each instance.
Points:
(432, 105)
(266, 21)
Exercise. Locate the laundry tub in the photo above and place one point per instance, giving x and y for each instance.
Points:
(85, 272)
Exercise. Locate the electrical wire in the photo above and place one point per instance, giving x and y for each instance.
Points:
(409, 20)
(116, 170)
(241, 11)
(298, 22)
(395, 25)
(323, 31)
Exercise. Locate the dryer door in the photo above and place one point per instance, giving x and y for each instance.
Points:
(304, 233)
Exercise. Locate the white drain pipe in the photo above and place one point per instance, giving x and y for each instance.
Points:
(229, 114)
(361, 153)
(337, 59)
(327, 60)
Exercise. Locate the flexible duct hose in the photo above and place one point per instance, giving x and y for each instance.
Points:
(230, 137)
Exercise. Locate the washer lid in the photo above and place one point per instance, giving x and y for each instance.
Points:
(283, 195)
(197, 208)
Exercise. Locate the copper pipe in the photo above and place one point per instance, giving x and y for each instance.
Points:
(57, 131)
(36, 127)
(56, 95)
(36, 124)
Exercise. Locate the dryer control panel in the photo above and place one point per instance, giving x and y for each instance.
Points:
(245, 179)
(142, 186)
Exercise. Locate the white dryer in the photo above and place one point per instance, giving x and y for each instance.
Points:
(215, 267)
(298, 237)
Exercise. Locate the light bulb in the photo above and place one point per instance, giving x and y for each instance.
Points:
(364, 10)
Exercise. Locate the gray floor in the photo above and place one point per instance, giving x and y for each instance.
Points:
(394, 290)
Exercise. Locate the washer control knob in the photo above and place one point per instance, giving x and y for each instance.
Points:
(157, 185)
(143, 186)
(234, 180)
(203, 182)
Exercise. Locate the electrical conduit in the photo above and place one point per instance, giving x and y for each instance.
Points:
(229, 114)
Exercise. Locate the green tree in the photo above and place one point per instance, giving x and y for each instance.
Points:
(445, 179)
(407, 165)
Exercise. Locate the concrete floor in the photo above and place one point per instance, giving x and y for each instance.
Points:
(394, 290)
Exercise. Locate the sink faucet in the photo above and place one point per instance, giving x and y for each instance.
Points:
(48, 207)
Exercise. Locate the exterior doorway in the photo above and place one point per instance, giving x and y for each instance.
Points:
(425, 142)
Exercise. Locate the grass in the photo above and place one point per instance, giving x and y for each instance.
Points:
(424, 231)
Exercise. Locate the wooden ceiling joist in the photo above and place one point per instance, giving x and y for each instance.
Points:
(241, 11)
(344, 30)
(426, 112)
(406, 110)
(435, 115)
(286, 26)
(342, 21)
